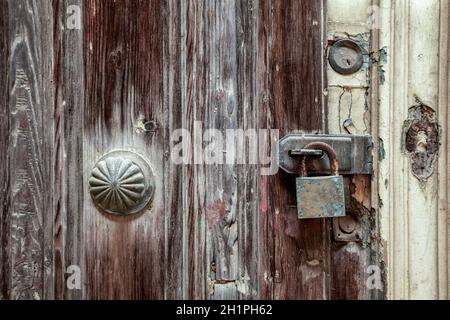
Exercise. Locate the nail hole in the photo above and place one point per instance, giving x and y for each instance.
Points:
(151, 126)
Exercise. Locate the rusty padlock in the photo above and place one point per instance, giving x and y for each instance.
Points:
(320, 197)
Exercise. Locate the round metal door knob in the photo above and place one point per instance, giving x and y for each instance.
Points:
(121, 183)
(346, 57)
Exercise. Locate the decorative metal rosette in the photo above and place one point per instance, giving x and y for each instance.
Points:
(121, 183)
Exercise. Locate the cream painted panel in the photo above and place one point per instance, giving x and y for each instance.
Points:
(347, 108)
(414, 215)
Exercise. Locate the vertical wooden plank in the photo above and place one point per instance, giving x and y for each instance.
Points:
(194, 81)
(349, 101)
(395, 35)
(173, 175)
(414, 215)
(220, 93)
(378, 254)
(5, 191)
(214, 105)
(424, 72)
(220, 113)
(265, 121)
(347, 275)
(443, 218)
(296, 66)
(28, 214)
(124, 109)
(68, 156)
(252, 261)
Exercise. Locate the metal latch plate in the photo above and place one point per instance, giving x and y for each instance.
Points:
(354, 153)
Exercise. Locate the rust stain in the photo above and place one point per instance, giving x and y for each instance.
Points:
(421, 139)
(263, 205)
(215, 212)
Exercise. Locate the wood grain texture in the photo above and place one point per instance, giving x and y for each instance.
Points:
(220, 112)
(220, 91)
(5, 193)
(414, 215)
(265, 121)
(27, 210)
(252, 262)
(348, 272)
(136, 71)
(193, 77)
(351, 100)
(350, 259)
(296, 73)
(176, 267)
(123, 55)
(68, 147)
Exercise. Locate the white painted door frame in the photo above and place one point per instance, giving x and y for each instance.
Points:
(410, 53)
(414, 214)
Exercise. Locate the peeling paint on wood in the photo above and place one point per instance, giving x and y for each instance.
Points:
(351, 103)
(421, 139)
(134, 72)
(414, 214)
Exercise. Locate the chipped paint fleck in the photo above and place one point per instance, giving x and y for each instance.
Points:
(381, 150)
(380, 58)
(382, 61)
(243, 284)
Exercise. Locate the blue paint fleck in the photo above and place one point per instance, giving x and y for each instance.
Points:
(324, 210)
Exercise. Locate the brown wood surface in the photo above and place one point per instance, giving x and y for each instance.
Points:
(135, 72)
(26, 147)
(175, 267)
(301, 249)
(4, 144)
(123, 64)
(222, 207)
(69, 195)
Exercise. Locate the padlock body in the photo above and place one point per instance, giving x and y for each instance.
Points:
(320, 197)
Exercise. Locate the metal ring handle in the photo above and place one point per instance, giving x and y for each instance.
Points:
(325, 147)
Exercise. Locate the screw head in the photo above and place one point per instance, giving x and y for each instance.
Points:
(347, 224)
(121, 183)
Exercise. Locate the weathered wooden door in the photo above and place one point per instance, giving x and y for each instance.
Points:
(79, 79)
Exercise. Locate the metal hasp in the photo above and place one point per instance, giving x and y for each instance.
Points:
(354, 153)
(346, 57)
(121, 183)
(320, 197)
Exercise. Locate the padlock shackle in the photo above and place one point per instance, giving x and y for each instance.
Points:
(325, 147)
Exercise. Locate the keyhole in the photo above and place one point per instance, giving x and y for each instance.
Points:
(346, 57)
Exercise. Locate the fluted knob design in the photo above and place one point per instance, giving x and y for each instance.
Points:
(118, 185)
